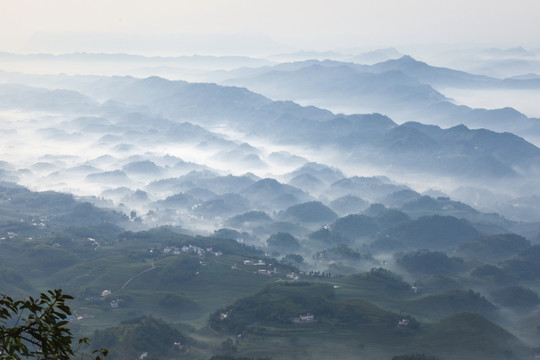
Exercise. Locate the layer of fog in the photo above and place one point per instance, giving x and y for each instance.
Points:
(496, 62)
(48, 151)
(45, 152)
(25, 130)
(523, 100)
(36, 137)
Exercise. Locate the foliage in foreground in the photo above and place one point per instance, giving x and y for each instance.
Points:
(36, 328)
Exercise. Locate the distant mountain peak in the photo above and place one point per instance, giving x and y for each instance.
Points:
(407, 60)
(459, 128)
(405, 63)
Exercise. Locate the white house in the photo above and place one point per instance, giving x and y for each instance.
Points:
(307, 318)
(403, 323)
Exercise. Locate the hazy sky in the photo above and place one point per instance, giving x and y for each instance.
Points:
(139, 25)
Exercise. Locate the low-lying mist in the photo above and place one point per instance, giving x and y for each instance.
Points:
(398, 212)
(523, 100)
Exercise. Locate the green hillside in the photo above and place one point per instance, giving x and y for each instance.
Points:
(269, 323)
(149, 335)
(377, 285)
(473, 335)
(429, 262)
(495, 247)
(210, 290)
(428, 232)
(448, 302)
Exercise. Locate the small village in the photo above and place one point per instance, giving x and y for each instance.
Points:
(190, 249)
(304, 319)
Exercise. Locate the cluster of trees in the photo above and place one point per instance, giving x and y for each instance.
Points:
(341, 252)
(428, 262)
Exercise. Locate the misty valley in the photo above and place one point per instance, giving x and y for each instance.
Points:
(300, 206)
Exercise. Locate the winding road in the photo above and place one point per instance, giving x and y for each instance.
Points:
(136, 275)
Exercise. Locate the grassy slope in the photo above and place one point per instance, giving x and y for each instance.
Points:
(459, 336)
(85, 271)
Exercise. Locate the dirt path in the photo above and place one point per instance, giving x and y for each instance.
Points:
(136, 275)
